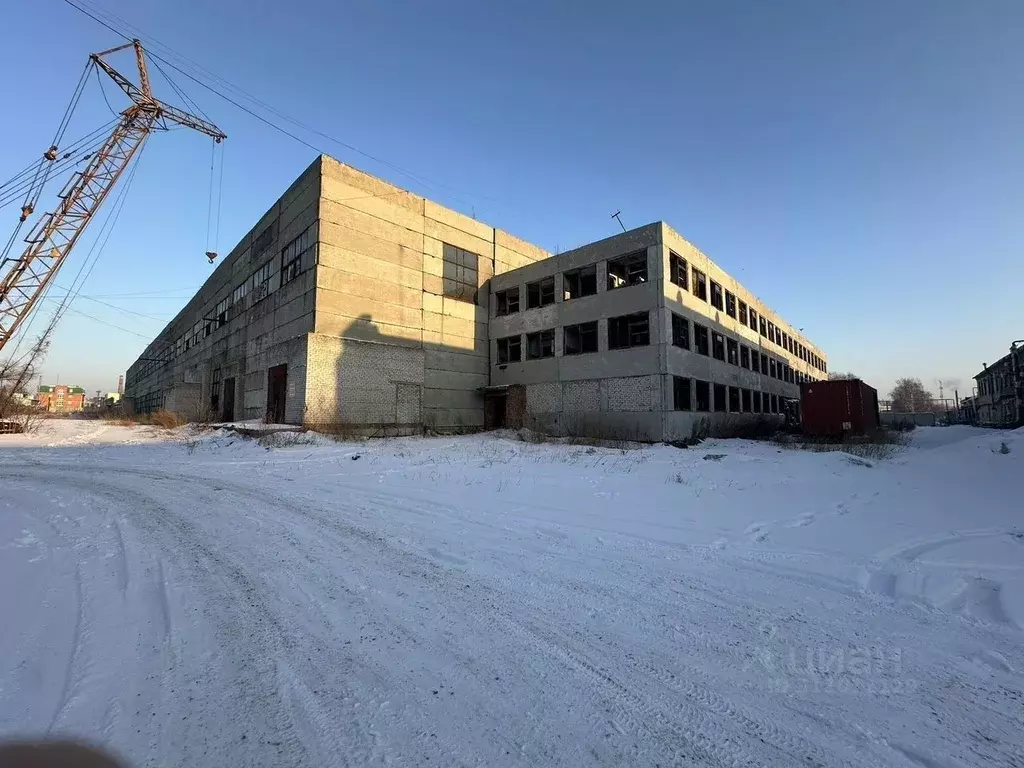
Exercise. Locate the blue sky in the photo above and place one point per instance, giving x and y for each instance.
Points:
(857, 165)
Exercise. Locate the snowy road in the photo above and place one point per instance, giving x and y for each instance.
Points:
(486, 602)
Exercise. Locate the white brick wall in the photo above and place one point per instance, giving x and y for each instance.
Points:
(581, 395)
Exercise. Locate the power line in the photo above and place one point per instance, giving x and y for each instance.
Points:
(216, 78)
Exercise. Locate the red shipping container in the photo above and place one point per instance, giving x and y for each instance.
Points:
(838, 408)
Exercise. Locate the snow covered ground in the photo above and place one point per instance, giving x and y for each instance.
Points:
(201, 600)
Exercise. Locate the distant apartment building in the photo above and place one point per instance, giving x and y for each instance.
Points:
(355, 302)
(61, 398)
(1000, 397)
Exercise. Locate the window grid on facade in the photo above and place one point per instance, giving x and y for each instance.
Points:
(295, 253)
(629, 331)
(579, 339)
(460, 277)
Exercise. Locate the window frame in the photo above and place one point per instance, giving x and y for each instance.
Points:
(719, 404)
(681, 325)
(744, 356)
(578, 275)
(730, 304)
(745, 400)
(702, 332)
(743, 312)
(682, 390)
(542, 338)
(699, 281)
(677, 266)
(718, 346)
(698, 384)
(509, 342)
(580, 329)
(633, 318)
(732, 351)
(541, 287)
(734, 396)
(717, 296)
(633, 275)
(506, 297)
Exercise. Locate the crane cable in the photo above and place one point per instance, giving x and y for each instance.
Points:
(21, 178)
(70, 158)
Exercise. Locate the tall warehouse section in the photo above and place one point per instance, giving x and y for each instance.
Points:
(355, 303)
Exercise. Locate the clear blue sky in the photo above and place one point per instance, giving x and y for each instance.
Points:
(858, 165)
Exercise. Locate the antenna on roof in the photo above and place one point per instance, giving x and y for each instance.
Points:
(616, 217)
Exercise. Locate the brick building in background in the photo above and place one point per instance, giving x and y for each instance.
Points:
(61, 398)
(353, 302)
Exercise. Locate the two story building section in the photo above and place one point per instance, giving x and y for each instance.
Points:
(357, 304)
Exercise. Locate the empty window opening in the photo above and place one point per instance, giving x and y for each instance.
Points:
(719, 398)
(681, 394)
(627, 270)
(744, 356)
(580, 339)
(680, 331)
(717, 346)
(579, 282)
(677, 271)
(540, 344)
(629, 331)
(746, 401)
(700, 284)
(730, 304)
(702, 389)
(510, 350)
(506, 302)
(743, 313)
(700, 339)
(540, 293)
(716, 296)
(732, 351)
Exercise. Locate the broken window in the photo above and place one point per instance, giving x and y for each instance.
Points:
(460, 273)
(764, 364)
(540, 293)
(743, 312)
(506, 302)
(629, 331)
(755, 360)
(771, 332)
(785, 340)
(771, 367)
(734, 400)
(703, 392)
(680, 331)
(580, 339)
(744, 356)
(540, 344)
(732, 351)
(700, 339)
(763, 326)
(730, 304)
(746, 401)
(766, 403)
(295, 253)
(677, 271)
(221, 312)
(238, 295)
(756, 401)
(627, 270)
(681, 393)
(720, 398)
(717, 345)
(579, 282)
(510, 350)
(775, 403)
(716, 296)
(753, 320)
(700, 284)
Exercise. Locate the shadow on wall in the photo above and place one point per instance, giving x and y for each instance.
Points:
(368, 382)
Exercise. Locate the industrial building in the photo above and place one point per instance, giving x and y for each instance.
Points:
(1000, 398)
(353, 302)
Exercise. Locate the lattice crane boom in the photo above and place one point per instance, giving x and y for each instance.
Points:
(55, 234)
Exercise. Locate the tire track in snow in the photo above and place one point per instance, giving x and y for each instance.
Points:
(76, 646)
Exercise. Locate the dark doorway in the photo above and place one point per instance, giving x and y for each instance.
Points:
(277, 388)
(494, 411)
(228, 411)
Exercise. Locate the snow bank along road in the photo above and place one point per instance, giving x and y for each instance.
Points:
(193, 601)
